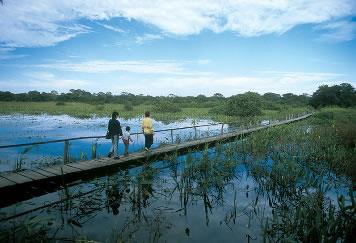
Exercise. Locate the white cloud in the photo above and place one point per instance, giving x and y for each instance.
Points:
(43, 81)
(261, 82)
(338, 31)
(6, 54)
(147, 37)
(30, 23)
(278, 82)
(113, 28)
(137, 66)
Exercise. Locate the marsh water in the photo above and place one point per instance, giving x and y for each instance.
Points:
(218, 194)
(18, 129)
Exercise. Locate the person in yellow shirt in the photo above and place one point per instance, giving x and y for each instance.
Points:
(147, 130)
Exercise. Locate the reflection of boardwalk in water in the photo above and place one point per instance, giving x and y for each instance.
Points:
(16, 183)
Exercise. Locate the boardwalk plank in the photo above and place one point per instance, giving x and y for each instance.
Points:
(86, 166)
(68, 169)
(32, 175)
(53, 170)
(18, 179)
(5, 182)
(44, 172)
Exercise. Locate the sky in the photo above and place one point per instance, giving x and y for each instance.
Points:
(181, 47)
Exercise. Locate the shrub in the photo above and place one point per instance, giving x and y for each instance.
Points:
(247, 104)
(100, 107)
(128, 106)
(166, 106)
(60, 103)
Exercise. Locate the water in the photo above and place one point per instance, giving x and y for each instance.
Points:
(151, 203)
(16, 129)
(224, 194)
(200, 197)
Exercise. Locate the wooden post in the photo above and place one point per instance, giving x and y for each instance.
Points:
(172, 135)
(222, 129)
(93, 150)
(66, 152)
(195, 132)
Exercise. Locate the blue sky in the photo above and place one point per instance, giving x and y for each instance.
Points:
(179, 47)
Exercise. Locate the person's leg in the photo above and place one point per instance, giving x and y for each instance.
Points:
(126, 143)
(115, 145)
(150, 140)
(146, 141)
(111, 148)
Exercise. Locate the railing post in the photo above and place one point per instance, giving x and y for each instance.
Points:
(172, 135)
(195, 132)
(222, 129)
(66, 152)
(93, 151)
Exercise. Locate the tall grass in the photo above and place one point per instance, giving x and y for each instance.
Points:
(84, 110)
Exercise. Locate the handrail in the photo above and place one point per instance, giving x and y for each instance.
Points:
(97, 137)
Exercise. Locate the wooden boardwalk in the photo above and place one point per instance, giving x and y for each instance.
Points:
(23, 181)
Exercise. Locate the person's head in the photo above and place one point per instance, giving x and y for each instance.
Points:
(128, 128)
(114, 115)
(147, 114)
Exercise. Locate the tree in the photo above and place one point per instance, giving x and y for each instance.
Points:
(343, 95)
(218, 95)
(165, 106)
(247, 104)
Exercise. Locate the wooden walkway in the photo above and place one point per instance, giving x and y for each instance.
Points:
(20, 182)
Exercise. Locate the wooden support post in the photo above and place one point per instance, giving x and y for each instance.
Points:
(172, 136)
(222, 129)
(93, 150)
(195, 132)
(66, 152)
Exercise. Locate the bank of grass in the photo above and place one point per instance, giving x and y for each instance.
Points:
(84, 110)
(325, 141)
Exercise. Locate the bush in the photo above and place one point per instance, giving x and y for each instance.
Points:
(247, 104)
(166, 106)
(60, 103)
(99, 107)
(128, 106)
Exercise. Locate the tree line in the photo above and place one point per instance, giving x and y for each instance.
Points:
(247, 104)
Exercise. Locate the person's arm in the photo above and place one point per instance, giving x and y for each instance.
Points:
(143, 130)
(110, 127)
(151, 125)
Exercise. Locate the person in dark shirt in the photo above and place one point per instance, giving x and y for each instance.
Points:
(114, 129)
